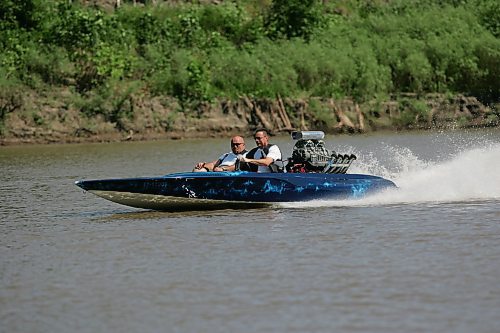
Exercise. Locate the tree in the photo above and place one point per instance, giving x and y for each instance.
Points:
(22, 14)
(293, 18)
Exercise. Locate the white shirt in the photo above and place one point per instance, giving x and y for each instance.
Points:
(227, 159)
(274, 153)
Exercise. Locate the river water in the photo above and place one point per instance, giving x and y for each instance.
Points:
(423, 258)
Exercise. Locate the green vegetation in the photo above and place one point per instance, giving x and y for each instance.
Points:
(364, 49)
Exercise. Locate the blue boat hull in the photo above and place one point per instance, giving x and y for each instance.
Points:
(194, 190)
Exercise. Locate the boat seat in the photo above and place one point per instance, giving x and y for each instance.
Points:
(277, 166)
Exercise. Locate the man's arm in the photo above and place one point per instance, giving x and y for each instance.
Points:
(225, 168)
(263, 161)
(206, 165)
(273, 155)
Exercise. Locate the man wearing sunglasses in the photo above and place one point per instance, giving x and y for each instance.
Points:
(226, 161)
(262, 157)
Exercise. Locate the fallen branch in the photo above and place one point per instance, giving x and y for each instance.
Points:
(343, 119)
(283, 114)
(361, 118)
(258, 113)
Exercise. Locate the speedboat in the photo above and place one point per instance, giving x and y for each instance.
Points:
(311, 173)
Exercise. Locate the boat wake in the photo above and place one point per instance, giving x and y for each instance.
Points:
(468, 175)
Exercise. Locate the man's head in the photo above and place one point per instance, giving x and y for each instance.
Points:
(237, 144)
(261, 138)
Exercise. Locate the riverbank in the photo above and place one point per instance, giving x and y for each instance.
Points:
(83, 71)
(51, 119)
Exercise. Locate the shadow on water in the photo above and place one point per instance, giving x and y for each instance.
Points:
(180, 213)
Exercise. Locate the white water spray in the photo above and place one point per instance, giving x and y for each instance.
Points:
(470, 175)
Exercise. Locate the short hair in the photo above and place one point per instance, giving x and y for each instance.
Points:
(260, 130)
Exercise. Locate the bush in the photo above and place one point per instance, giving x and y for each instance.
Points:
(360, 49)
(10, 98)
(293, 18)
(114, 103)
(489, 15)
(26, 14)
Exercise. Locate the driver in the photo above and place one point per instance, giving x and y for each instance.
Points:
(261, 157)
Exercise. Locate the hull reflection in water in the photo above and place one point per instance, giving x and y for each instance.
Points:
(218, 190)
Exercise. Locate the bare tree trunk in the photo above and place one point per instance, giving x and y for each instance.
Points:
(258, 113)
(303, 107)
(343, 119)
(263, 119)
(283, 114)
(275, 116)
(361, 118)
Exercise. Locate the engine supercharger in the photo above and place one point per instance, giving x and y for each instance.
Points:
(310, 155)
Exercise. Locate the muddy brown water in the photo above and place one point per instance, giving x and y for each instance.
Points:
(423, 258)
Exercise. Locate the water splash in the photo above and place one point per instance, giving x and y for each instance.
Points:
(468, 175)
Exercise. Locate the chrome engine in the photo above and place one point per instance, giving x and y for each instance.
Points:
(310, 155)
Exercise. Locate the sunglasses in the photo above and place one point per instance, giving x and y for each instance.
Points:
(236, 143)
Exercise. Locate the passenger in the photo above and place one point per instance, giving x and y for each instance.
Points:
(262, 157)
(225, 162)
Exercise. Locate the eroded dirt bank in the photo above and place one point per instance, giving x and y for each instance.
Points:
(39, 119)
